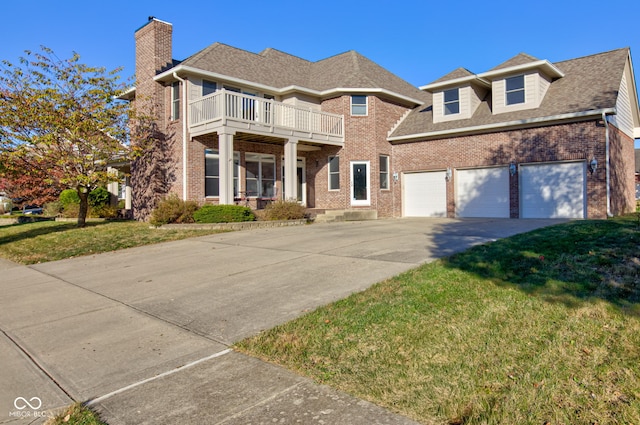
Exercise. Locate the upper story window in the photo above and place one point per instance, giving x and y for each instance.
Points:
(208, 87)
(514, 90)
(358, 105)
(175, 101)
(452, 101)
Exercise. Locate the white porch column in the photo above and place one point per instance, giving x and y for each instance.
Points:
(290, 170)
(225, 148)
(127, 193)
(112, 188)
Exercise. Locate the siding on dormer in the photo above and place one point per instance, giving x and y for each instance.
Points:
(535, 87)
(623, 118)
(469, 98)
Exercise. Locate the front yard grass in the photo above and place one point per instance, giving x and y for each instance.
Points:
(39, 242)
(539, 328)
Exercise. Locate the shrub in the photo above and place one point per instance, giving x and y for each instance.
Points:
(173, 210)
(103, 211)
(70, 211)
(52, 209)
(223, 214)
(68, 197)
(99, 196)
(284, 210)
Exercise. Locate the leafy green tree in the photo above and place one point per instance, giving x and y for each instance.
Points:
(63, 118)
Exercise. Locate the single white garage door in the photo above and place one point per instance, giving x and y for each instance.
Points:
(482, 192)
(425, 194)
(552, 190)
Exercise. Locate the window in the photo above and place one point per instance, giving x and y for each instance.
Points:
(384, 172)
(212, 173)
(515, 90)
(261, 175)
(452, 102)
(208, 87)
(175, 101)
(358, 105)
(334, 173)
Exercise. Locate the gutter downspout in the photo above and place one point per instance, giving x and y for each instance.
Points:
(607, 165)
(184, 135)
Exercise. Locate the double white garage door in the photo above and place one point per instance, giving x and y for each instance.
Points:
(546, 191)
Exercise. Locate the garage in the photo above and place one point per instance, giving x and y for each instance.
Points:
(425, 194)
(482, 192)
(553, 190)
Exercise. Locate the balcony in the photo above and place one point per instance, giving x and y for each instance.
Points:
(256, 115)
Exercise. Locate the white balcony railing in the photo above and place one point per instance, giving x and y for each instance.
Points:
(225, 105)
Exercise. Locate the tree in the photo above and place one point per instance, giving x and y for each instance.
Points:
(61, 119)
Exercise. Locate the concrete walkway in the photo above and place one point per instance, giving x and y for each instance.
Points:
(145, 333)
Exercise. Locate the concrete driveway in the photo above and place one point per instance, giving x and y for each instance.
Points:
(145, 333)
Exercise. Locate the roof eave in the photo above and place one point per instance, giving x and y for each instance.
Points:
(456, 82)
(530, 122)
(548, 68)
(168, 76)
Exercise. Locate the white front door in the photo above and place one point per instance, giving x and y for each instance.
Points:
(302, 180)
(360, 183)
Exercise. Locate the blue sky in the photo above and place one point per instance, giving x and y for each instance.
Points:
(419, 41)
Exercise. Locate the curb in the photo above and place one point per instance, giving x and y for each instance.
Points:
(245, 225)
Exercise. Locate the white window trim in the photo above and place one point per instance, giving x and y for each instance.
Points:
(386, 173)
(523, 90)
(261, 159)
(329, 173)
(236, 174)
(445, 103)
(175, 101)
(366, 105)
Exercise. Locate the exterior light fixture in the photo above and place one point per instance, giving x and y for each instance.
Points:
(513, 169)
(447, 176)
(593, 165)
(395, 176)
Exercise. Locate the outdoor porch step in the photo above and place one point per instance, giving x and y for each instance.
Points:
(330, 216)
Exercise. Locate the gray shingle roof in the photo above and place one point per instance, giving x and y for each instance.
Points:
(278, 69)
(590, 83)
(519, 59)
(455, 74)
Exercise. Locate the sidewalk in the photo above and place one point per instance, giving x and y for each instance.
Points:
(145, 332)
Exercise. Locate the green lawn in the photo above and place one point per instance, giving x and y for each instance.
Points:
(537, 328)
(44, 241)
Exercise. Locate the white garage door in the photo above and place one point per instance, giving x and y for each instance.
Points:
(482, 192)
(425, 194)
(552, 190)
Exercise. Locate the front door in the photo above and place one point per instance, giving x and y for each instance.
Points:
(302, 180)
(360, 183)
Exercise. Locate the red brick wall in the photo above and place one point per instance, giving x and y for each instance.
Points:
(568, 142)
(365, 140)
(622, 171)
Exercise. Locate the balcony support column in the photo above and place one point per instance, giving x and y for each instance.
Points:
(225, 149)
(291, 169)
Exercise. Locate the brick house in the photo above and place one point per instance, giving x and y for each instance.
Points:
(526, 139)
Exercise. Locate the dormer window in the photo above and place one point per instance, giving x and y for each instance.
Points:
(514, 93)
(452, 102)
